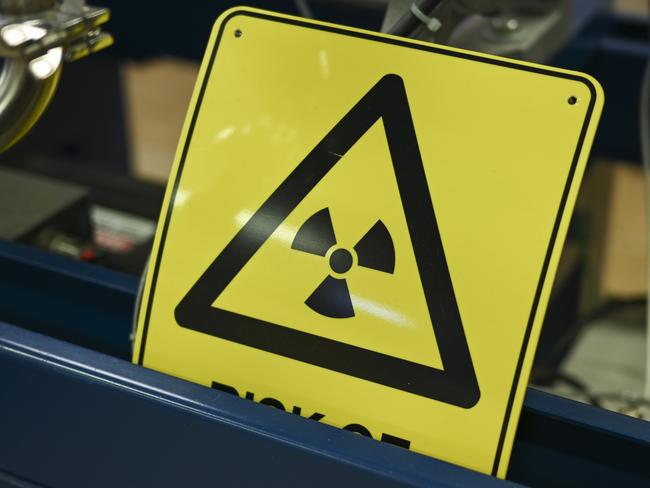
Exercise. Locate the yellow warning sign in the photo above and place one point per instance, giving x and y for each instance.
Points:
(364, 230)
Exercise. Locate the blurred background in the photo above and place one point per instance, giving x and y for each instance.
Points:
(86, 183)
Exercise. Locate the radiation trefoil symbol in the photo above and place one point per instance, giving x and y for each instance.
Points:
(374, 250)
(455, 383)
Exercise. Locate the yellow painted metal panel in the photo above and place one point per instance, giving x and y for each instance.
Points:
(367, 227)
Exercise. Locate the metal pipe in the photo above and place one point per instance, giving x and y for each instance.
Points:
(23, 95)
(23, 98)
(409, 21)
(36, 36)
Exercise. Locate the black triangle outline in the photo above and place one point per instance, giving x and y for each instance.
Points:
(456, 384)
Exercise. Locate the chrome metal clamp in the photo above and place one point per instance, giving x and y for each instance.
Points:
(36, 36)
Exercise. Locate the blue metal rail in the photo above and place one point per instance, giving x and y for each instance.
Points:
(70, 416)
(73, 417)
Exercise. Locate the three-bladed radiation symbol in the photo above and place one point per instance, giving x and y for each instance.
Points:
(456, 382)
(374, 250)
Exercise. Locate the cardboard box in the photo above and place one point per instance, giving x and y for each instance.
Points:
(157, 94)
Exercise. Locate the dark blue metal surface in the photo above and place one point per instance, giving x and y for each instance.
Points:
(73, 301)
(60, 402)
(71, 417)
(560, 442)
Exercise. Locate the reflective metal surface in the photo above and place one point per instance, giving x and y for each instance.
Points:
(36, 36)
(531, 30)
